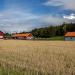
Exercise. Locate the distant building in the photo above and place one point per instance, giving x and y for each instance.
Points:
(70, 36)
(22, 36)
(1, 35)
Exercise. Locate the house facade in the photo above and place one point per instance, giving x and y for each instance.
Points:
(22, 36)
(1, 35)
(69, 36)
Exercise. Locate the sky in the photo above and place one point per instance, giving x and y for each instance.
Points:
(25, 15)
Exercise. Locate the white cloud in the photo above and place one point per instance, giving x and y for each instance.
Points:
(66, 4)
(71, 16)
(53, 20)
(14, 20)
(53, 3)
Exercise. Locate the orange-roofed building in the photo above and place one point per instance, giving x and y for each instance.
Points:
(70, 36)
(22, 36)
(1, 35)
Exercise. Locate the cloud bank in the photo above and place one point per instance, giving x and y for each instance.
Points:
(71, 16)
(14, 18)
(19, 20)
(66, 4)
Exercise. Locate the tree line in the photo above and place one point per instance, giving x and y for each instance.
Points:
(52, 31)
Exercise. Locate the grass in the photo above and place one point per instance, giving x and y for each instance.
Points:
(55, 38)
(22, 57)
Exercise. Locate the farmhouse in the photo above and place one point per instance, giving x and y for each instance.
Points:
(22, 36)
(1, 35)
(70, 36)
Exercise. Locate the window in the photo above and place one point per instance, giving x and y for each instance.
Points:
(71, 38)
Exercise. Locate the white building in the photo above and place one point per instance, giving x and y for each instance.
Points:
(69, 36)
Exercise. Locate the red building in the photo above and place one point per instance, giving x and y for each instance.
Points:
(1, 35)
(23, 36)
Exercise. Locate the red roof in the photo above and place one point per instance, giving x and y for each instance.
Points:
(70, 34)
(1, 33)
(22, 35)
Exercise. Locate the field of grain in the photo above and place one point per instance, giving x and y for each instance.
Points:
(24, 57)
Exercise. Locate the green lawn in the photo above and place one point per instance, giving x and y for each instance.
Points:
(57, 38)
(9, 71)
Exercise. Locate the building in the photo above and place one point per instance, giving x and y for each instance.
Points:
(22, 36)
(1, 35)
(69, 36)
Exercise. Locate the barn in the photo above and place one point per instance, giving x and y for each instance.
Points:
(69, 36)
(22, 36)
(1, 35)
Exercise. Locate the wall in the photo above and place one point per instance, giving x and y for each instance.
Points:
(69, 38)
(1, 37)
(29, 38)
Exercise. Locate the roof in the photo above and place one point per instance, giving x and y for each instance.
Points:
(1, 33)
(70, 34)
(22, 35)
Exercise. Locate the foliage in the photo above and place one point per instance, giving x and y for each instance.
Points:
(51, 31)
(7, 34)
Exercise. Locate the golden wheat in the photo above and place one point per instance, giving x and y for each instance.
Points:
(46, 57)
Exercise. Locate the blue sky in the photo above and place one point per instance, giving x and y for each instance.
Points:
(25, 15)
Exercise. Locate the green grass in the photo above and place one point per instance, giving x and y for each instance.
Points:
(8, 71)
(57, 38)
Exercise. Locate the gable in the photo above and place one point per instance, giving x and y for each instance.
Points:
(70, 34)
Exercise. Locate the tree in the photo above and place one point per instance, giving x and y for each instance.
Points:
(50, 31)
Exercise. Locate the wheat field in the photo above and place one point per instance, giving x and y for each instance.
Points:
(24, 57)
